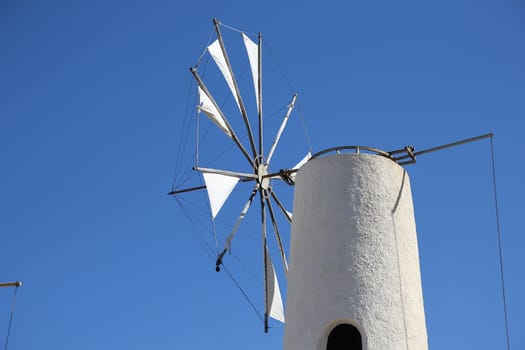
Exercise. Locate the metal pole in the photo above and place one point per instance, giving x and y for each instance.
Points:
(10, 284)
(281, 128)
(265, 255)
(277, 234)
(434, 149)
(228, 126)
(453, 144)
(236, 87)
(172, 193)
(228, 242)
(280, 205)
(259, 98)
(224, 172)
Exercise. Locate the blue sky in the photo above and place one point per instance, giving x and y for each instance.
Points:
(93, 96)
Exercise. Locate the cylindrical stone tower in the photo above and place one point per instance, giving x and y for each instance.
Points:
(354, 279)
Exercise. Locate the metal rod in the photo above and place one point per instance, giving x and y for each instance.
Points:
(228, 126)
(357, 148)
(228, 242)
(457, 143)
(281, 128)
(280, 173)
(224, 172)
(236, 87)
(280, 205)
(10, 284)
(277, 234)
(259, 98)
(448, 145)
(265, 258)
(172, 193)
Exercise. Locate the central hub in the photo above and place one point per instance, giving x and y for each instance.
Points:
(261, 171)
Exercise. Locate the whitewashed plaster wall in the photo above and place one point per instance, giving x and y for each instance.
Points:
(354, 255)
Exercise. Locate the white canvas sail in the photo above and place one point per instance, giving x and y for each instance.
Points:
(219, 188)
(275, 302)
(252, 49)
(300, 164)
(207, 106)
(216, 53)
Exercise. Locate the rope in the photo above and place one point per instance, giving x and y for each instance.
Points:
(197, 127)
(499, 245)
(235, 29)
(205, 246)
(201, 57)
(183, 136)
(244, 294)
(289, 83)
(186, 174)
(214, 228)
(245, 267)
(11, 319)
(279, 66)
(400, 276)
(209, 251)
(306, 134)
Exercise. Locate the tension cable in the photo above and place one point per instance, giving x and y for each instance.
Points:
(500, 253)
(16, 285)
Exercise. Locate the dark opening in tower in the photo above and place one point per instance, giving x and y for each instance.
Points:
(344, 337)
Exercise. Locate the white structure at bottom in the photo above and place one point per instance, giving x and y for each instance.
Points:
(354, 280)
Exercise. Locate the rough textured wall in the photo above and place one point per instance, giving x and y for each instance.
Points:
(354, 255)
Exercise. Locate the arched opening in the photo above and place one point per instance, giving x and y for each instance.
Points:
(344, 337)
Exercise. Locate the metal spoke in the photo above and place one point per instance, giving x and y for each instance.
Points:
(225, 173)
(277, 235)
(259, 98)
(280, 205)
(227, 244)
(174, 192)
(10, 284)
(234, 136)
(237, 91)
(281, 128)
(265, 258)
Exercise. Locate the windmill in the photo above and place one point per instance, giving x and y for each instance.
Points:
(354, 273)
(219, 183)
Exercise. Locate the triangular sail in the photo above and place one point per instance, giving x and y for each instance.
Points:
(216, 53)
(252, 49)
(275, 302)
(207, 106)
(219, 188)
(300, 164)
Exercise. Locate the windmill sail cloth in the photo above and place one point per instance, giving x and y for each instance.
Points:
(219, 188)
(300, 164)
(218, 56)
(275, 302)
(252, 49)
(206, 105)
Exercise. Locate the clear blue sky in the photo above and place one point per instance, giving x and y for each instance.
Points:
(92, 99)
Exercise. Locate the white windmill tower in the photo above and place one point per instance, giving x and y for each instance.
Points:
(354, 280)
